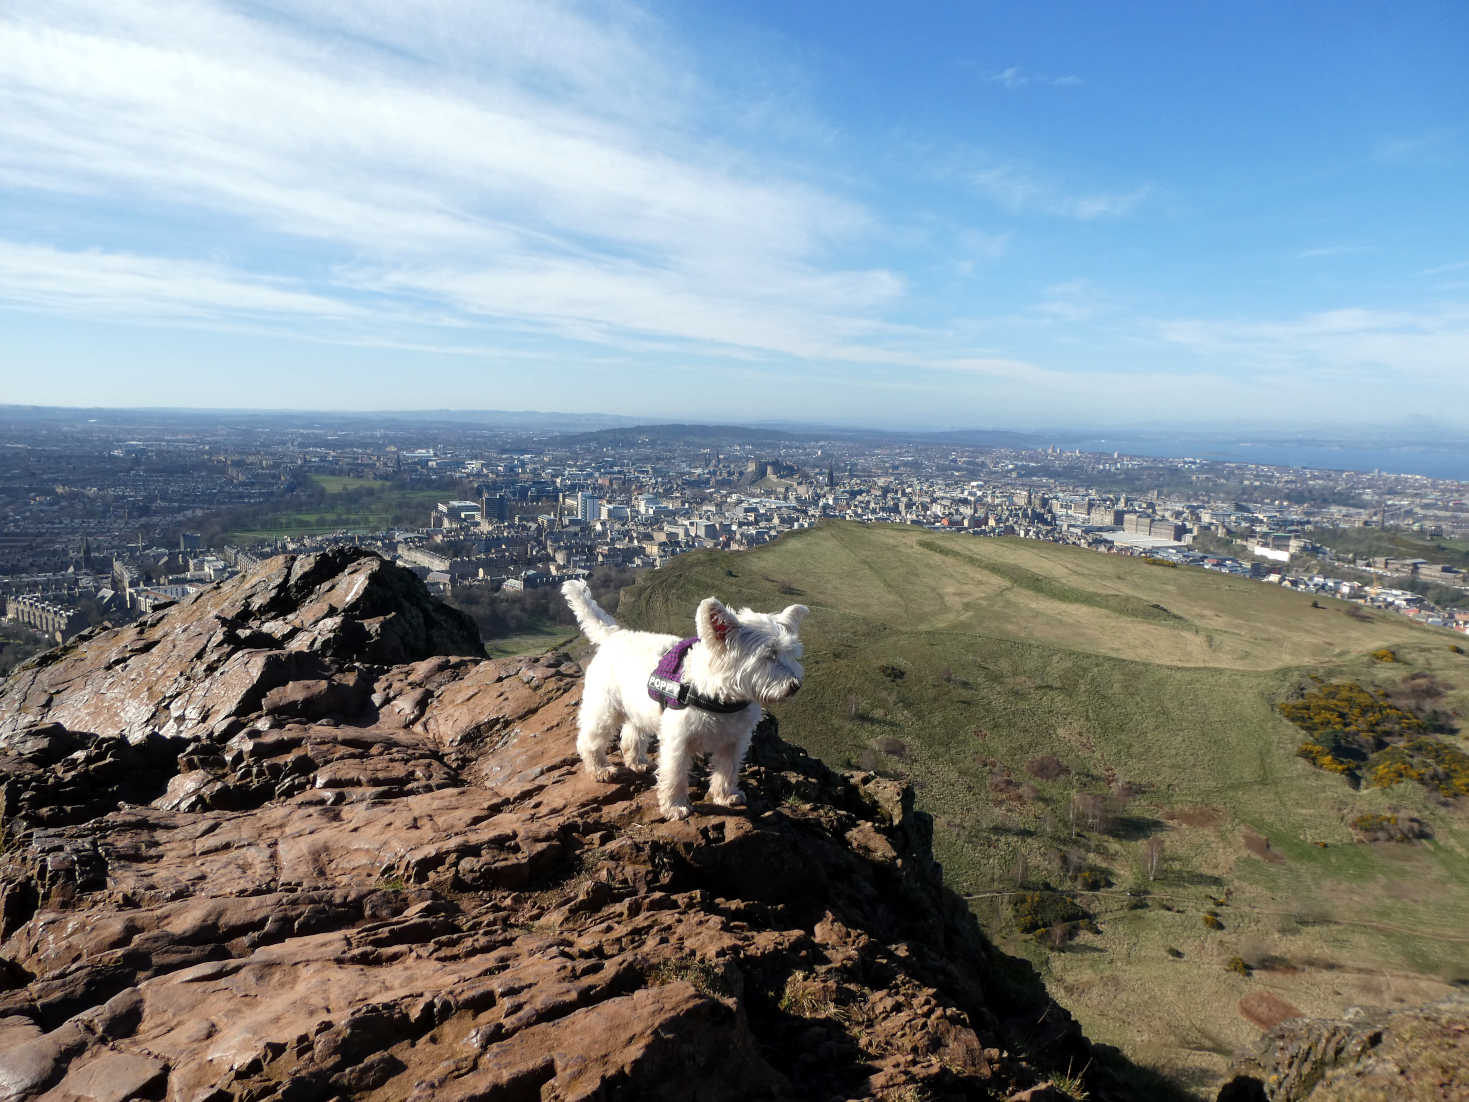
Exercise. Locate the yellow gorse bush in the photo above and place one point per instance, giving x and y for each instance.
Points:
(1360, 733)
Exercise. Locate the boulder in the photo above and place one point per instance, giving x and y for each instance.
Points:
(1418, 1054)
(223, 651)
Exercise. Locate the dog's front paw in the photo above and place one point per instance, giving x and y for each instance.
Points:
(676, 812)
(640, 766)
(734, 799)
(604, 773)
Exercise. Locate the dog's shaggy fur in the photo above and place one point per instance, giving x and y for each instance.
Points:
(753, 656)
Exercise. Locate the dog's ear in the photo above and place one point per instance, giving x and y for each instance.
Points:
(791, 618)
(714, 622)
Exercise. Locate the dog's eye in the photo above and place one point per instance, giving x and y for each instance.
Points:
(771, 654)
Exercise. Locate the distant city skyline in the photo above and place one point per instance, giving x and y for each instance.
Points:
(961, 216)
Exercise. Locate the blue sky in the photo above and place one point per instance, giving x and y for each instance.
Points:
(1017, 215)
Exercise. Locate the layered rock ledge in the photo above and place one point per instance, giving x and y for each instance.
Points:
(289, 839)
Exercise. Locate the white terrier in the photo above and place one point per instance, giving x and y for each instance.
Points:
(701, 696)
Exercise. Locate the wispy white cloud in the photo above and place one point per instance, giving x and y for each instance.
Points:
(1410, 147)
(128, 286)
(1020, 191)
(1014, 76)
(1372, 351)
(1331, 250)
(1356, 364)
(1075, 300)
(800, 314)
(338, 146)
(1059, 394)
(1444, 269)
(1115, 205)
(543, 155)
(977, 247)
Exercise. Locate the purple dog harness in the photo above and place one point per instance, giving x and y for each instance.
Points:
(667, 687)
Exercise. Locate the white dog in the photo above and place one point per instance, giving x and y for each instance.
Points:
(701, 696)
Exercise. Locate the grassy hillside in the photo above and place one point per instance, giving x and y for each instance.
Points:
(1067, 715)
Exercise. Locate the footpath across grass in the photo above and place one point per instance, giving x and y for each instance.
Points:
(532, 642)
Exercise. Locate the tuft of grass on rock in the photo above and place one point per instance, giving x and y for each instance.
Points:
(700, 974)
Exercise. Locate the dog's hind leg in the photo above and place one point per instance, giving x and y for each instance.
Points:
(674, 759)
(594, 732)
(634, 747)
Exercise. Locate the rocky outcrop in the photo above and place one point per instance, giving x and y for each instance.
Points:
(286, 637)
(268, 845)
(1371, 1055)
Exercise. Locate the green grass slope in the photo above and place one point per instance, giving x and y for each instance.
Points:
(965, 662)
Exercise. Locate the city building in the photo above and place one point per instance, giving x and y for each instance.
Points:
(457, 514)
(56, 621)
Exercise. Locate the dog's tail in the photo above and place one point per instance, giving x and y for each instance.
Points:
(595, 624)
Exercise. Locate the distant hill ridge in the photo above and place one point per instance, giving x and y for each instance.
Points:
(724, 435)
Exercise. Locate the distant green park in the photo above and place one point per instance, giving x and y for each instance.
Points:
(1393, 543)
(346, 505)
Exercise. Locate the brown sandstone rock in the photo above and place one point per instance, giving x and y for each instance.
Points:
(221, 888)
(1372, 1055)
(221, 652)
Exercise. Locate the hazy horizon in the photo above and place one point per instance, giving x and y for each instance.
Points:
(1428, 430)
